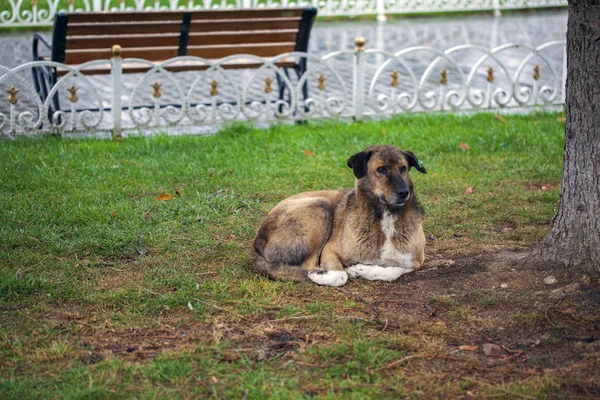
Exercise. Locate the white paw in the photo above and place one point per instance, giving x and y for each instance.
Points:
(328, 278)
(376, 273)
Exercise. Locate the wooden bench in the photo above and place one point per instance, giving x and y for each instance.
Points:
(160, 35)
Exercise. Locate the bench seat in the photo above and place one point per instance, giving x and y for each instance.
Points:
(156, 36)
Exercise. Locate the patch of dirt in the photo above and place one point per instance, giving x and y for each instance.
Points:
(483, 319)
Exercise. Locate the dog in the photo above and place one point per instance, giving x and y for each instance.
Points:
(373, 230)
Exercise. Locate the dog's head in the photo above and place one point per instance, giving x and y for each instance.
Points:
(383, 173)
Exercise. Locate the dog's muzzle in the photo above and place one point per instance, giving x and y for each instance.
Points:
(400, 198)
(402, 195)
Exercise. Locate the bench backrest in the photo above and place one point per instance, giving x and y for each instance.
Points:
(160, 35)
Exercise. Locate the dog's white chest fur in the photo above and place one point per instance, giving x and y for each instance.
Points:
(390, 256)
(391, 264)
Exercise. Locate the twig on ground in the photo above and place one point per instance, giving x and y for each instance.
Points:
(414, 356)
(432, 313)
(290, 318)
(371, 305)
(524, 396)
(220, 308)
(311, 365)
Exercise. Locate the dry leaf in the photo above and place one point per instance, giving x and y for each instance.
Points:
(164, 197)
(464, 146)
(113, 214)
(561, 119)
(309, 153)
(499, 118)
(470, 190)
(544, 187)
(466, 347)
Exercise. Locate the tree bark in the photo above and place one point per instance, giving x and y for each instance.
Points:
(574, 240)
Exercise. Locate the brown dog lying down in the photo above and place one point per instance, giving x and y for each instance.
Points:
(373, 230)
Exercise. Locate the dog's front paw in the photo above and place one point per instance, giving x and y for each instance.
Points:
(375, 272)
(328, 278)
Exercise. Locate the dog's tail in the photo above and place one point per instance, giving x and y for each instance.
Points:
(280, 272)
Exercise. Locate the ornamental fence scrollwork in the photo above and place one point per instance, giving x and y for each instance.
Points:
(343, 84)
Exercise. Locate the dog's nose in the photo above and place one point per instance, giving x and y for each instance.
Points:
(402, 193)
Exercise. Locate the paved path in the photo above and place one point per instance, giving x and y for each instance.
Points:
(532, 28)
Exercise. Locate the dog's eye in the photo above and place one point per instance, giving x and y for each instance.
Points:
(382, 170)
(403, 169)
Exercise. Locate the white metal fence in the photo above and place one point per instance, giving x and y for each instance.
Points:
(342, 84)
(15, 13)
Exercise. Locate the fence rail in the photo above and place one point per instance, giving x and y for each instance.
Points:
(15, 13)
(343, 84)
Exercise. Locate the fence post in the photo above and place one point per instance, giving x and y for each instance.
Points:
(97, 5)
(358, 81)
(116, 73)
(496, 7)
(381, 10)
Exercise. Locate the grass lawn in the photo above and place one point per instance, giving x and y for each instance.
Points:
(108, 291)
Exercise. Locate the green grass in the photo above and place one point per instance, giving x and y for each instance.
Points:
(96, 274)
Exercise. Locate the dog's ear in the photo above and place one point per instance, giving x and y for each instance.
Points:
(358, 163)
(414, 162)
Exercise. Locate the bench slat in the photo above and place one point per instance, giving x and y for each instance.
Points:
(243, 24)
(172, 39)
(241, 37)
(116, 16)
(124, 28)
(136, 40)
(119, 28)
(261, 50)
(164, 53)
(140, 68)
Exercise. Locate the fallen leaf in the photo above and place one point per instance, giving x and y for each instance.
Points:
(499, 118)
(561, 119)
(164, 197)
(544, 187)
(464, 146)
(113, 214)
(177, 193)
(309, 153)
(466, 347)
(470, 190)
(190, 306)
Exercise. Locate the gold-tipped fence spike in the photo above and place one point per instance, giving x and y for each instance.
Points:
(490, 75)
(268, 87)
(73, 94)
(214, 88)
(322, 85)
(34, 2)
(395, 78)
(12, 95)
(536, 72)
(359, 43)
(156, 90)
(444, 77)
(117, 51)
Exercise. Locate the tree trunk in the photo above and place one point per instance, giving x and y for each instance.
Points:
(574, 240)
